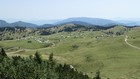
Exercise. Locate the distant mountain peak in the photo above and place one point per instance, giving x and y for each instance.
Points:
(93, 21)
(77, 22)
(23, 24)
(3, 21)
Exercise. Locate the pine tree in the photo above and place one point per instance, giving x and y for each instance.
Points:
(3, 53)
(51, 61)
(51, 57)
(97, 76)
(38, 58)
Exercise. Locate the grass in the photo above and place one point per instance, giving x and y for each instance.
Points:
(109, 54)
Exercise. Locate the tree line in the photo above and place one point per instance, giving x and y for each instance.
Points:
(34, 67)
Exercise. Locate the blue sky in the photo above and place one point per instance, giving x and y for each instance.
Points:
(60, 9)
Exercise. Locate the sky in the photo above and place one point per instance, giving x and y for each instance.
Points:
(61, 9)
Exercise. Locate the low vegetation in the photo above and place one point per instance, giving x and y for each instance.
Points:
(34, 67)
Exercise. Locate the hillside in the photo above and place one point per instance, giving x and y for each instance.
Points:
(34, 67)
(87, 49)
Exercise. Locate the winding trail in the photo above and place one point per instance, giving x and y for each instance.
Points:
(126, 38)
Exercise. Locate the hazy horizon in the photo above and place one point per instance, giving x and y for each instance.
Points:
(27, 10)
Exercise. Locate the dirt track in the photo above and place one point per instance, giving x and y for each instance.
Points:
(126, 38)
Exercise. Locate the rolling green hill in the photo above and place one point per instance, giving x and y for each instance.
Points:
(86, 50)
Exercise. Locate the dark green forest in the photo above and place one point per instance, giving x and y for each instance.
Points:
(34, 67)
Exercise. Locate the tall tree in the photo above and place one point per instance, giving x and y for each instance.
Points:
(38, 58)
(3, 53)
(97, 76)
(51, 61)
(51, 57)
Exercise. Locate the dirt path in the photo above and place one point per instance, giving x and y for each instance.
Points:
(126, 38)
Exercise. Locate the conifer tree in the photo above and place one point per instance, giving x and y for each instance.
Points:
(3, 53)
(97, 76)
(51, 61)
(37, 58)
(51, 57)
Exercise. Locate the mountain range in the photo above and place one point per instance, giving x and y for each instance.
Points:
(18, 23)
(93, 21)
(76, 20)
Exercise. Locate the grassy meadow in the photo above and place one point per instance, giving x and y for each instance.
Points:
(87, 51)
